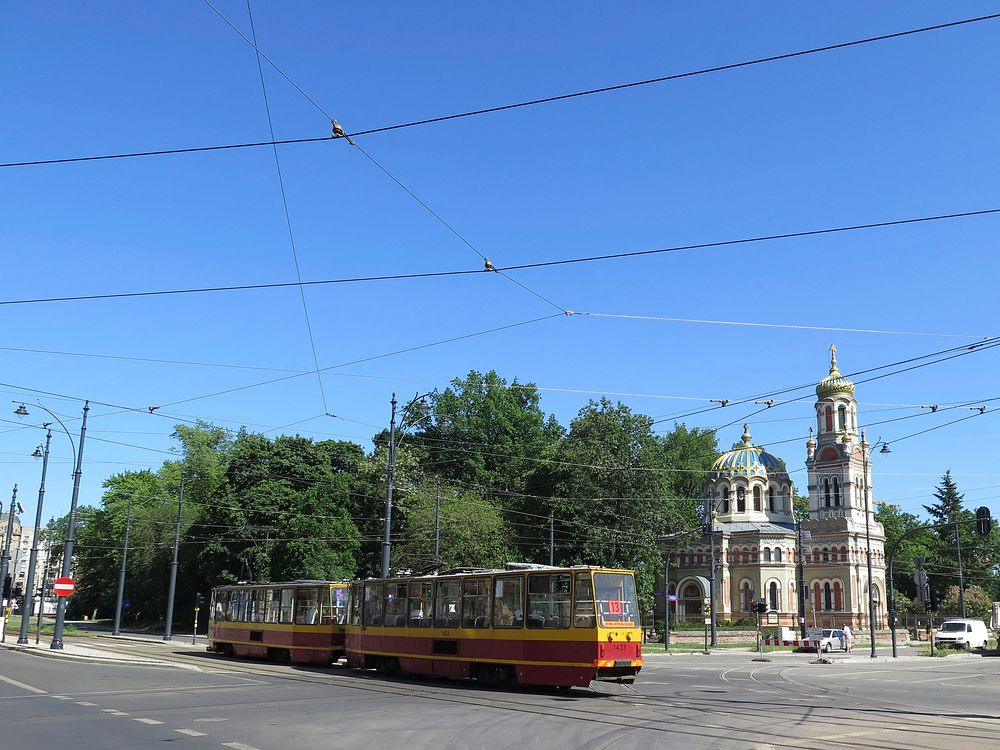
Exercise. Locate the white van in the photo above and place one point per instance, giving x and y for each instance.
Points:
(967, 634)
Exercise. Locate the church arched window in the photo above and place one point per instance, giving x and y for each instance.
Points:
(842, 417)
(767, 554)
(741, 501)
(757, 500)
(725, 500)
(829, 419)
(770, 498)
(774, 596)
(826, 555)
(836, 492)
(827, 597)
(777, 554)
(826, 492)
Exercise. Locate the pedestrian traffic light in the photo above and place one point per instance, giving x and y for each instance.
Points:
(935, 601)
(984, 524)
(6, 587)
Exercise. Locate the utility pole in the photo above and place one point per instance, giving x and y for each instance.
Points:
(390, 478)
(800, 575)
(437, 521)
(121, 573)
(29, 583)
(552, 540)
(666, 601)
(5, 564)
(961, 577)
(168, 634)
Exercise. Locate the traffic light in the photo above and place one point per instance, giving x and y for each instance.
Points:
(6, 587)
(18, 591)
(760, 607)
(935, 601)
(984, 524)
(199, 601)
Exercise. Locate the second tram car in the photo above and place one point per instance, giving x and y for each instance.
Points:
(299, 621)
(525, 624)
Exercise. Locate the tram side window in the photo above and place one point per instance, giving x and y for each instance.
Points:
(421, 604)
(476, 603)
(548, 600)
(583, 602)
(237, 606)
(219, 604)
(508, 601)
(395, 605)
(447, 604)
(356, 600)
(372, 614)
(307, 607)
(272, 604)
(287, 601)
(256, 606)
(333, 607)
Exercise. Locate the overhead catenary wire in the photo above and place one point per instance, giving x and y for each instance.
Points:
(531, 102)
(288, 217)
(337, 134)
(516, 267)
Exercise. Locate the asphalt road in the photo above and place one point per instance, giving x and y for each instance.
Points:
(725, 700)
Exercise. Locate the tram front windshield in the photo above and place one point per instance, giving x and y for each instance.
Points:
(616, 600)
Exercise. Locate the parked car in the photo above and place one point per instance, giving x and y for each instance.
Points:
(967, 634)
(829, 639)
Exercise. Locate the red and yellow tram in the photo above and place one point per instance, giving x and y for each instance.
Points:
(525, 624)
(299, 621)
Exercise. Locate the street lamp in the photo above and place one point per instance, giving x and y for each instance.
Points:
(865, 450)
(712, 511)
(29, 584)
(22, 411)
(420, 404)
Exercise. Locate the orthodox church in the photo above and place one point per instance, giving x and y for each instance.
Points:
(758, 537)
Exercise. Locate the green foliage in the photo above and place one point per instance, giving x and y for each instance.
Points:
(978, 603)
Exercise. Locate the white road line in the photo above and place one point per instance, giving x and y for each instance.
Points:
(111, 710)
(23, 686)
(85, 703)
(211, 719)
(190, 732)
(945, 679)
(238, 746)
(148, 721)
(61, 697)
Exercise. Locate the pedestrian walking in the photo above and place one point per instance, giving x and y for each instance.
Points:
(848, 638)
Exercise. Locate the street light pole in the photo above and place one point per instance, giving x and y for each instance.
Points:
(5, 565)
(961, 576)
(800, 574)
(29, 584)
(865, 448)
(121, 573)
(391, 472)
(67, 561)
(168, 632)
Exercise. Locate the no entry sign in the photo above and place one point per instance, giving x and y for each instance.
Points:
(63, 586)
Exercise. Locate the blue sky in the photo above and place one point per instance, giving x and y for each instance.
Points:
(885, 131)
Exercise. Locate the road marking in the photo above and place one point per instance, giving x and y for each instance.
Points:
(23, 686)
(61, 697)
(190, 732)
(212, 719)
(111, 710)
(85, 703)
(148, 721)
(238, 746)
(945, 679)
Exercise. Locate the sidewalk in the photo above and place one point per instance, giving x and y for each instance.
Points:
(92, 652)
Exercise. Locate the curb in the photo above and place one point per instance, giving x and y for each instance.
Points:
(46, 653)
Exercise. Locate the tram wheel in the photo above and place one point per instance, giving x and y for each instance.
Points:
(387, 665)
(278, 654)
(564, 688)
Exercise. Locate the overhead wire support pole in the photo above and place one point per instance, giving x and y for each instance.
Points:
(5, 565)
(29, 584)
(121, 572)
(961, 578)
(67, 561)
(168, 632)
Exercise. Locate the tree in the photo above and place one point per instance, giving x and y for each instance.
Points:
(978, 603)
(898, 523)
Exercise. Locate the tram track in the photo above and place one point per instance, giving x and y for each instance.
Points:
(635, 710)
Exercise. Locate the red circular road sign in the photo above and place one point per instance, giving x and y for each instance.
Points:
(63, 586)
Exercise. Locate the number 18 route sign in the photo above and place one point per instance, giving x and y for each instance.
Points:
(63, 586)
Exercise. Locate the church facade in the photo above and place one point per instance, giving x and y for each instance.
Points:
(758, 537)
